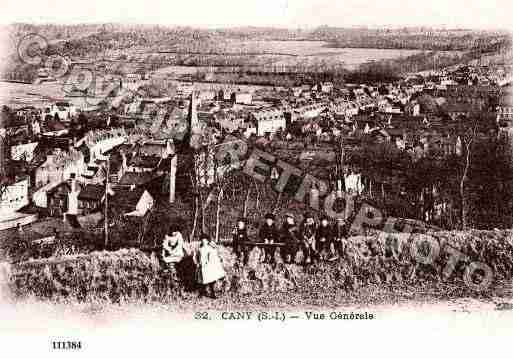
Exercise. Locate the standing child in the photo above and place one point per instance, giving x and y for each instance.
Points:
(173, 247)
(324, 238)
(308, 232)
(340, 237)
(291, 239)
(177, 259)
(269, 235)
(210, 268)
(240, 239)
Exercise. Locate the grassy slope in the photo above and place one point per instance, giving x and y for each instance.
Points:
(130, 277)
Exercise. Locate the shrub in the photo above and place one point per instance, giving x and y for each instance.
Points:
(113, 276)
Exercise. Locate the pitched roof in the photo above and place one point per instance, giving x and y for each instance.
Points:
(126, 197)
(53, 125)
(152, 149)
(63, 185)
(92, 192)
(144, 161)
(136, 178)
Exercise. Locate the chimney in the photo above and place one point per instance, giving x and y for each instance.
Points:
(72, 197)
(124, 160)
(170, 148)
(192, 121)
(172, 178)
(109, 189)
(74, 187)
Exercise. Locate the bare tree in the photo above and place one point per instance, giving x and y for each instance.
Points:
(196, 206)
(245, 208)
(218, 211)
(468, 140)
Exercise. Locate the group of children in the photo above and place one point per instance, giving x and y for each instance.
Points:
(207, 264)
(316, 241)
(323, 241)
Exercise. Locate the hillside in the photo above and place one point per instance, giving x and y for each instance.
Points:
(247, 46)
(377, 269)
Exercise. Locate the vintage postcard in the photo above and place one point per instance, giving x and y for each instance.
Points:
(309, 178)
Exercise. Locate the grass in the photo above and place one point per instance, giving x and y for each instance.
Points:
(131, 277)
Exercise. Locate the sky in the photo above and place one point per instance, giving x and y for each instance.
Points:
(485, 14)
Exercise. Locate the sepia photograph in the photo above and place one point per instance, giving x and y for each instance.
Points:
(309, 178)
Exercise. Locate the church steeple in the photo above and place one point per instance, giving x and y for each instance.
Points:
(192, 116)
(193, 123)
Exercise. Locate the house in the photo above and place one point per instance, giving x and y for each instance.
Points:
(206, 95)
(389, 104)
(142, 163)
(153, 182)
(131, 201)
(457, 110)
(343, 108)
(309, 110)
(132, 78)
(24, 151)
(268, 121)
(90, 198)
(69, 198)
(209, 107)
(14, 196)
(306, 94)
(504, 115)
(296, 91)
(57, 199)
(249, 129)
(184, 89)
(148, 109)
(229, 120)
(242, 98)
(64, 110)
(54, 128)
(16, 127)
(225, 94)
(448, 80)
(94, 174)
(379, 135)
(59, 166)
(133, 107)
(412, 109)
(154, 149)
(325, 87)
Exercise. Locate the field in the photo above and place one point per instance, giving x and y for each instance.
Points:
(306, 54)
(17, 94)
(276, 53)
(20, 94)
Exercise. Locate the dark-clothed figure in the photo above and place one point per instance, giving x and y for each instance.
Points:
(324, 238)
(269, 234)
(340, 236)
(291, 238)
(308, 230)
(240, 239)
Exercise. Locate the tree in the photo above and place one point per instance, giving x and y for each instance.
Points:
(468, 139)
